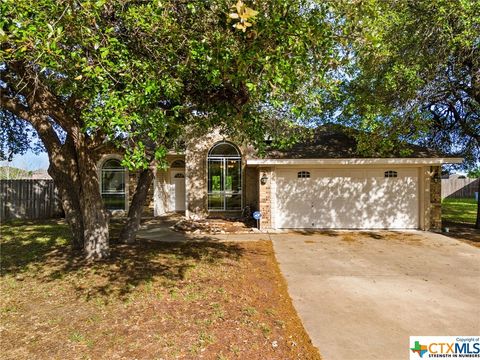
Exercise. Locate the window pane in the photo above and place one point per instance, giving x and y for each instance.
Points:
(112, 164)
(114, 201)
(113, 185)
(233, 202)
(224, 149)
(215, 175)
(233, 180)
(215, 201)
(113, 181)
(224, 178)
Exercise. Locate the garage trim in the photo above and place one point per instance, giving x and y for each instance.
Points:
(356, 161)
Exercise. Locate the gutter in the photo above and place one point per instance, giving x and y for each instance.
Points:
(356, 161)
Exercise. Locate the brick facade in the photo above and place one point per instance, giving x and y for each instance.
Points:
(265, 197)
(251, 181)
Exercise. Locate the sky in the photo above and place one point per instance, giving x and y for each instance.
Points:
(28, 161)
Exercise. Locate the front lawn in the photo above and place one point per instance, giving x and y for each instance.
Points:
(459, 210)
(152, 300)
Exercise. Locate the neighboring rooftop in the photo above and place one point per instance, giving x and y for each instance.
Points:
(13, 173)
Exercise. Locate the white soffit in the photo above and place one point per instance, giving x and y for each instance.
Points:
(357, 161)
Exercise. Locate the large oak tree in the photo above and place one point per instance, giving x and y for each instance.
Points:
(93, 77)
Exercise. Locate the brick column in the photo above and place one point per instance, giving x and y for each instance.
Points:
(265, 198)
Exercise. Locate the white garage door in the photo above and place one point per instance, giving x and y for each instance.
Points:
(347, 199)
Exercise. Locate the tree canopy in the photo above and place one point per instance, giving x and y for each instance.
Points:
(139, 72)
(92, 76)
(414, 73)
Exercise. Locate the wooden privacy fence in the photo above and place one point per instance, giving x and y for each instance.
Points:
(29, 199)
(459, 188)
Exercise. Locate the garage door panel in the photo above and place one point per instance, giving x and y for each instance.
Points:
(395, 201)
(342, 197)
(347, 199)
(293, 196)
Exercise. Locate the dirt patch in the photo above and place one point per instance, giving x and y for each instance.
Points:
(205, 300)
(373, 235)
(215, 226)
(463, 232)
(351, 238)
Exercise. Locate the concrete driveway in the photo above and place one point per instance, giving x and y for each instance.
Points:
(361, 295)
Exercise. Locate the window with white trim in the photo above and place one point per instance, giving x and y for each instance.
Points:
(224, 177)
(112, 185)
(303, 174)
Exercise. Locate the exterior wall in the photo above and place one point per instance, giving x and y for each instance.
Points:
(265, 197)
(435, 199)
(251, 188)
(255, 195)
(149, 203)
(432, 199)
(161, 193)
(196, 174)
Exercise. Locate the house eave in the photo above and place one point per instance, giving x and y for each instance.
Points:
(355, 161)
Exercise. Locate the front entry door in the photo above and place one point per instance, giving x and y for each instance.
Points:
(178, 190)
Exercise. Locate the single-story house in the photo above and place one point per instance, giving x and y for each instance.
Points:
(322, 183)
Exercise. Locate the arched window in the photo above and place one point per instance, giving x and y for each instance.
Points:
(224, 177)
(177, 164)
(112, 184)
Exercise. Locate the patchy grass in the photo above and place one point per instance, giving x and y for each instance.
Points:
(459, 210)
(151, 300)
(460, 215)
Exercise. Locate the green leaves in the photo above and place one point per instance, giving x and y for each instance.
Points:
(411, 72)
(145, 74)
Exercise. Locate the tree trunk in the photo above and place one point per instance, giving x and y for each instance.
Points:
(72, 161)
(477, 224)
(136, 207)
(96, 244)
(73, 216)
(66, 182)
(95, 216)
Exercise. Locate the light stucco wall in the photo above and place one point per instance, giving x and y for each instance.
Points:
(163, 188)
